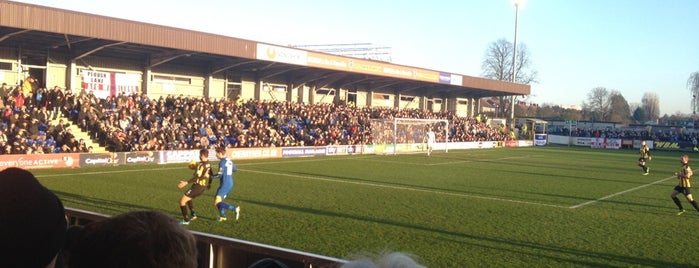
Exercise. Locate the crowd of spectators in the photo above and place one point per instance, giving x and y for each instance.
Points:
(138, 123)
(637, 133)
(135, 122)
(26, 114)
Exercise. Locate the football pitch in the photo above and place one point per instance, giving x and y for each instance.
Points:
(512, 207)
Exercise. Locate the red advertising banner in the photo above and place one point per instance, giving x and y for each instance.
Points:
(37, 161)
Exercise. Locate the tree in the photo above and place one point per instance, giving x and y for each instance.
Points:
(651, 105)
(497, 65)
(545, 111)
(598, 103)
(639, 115)
(619, 110)
(693, 85)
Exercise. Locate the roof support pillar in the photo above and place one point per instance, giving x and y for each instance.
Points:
(145, 80)
(312, 95)
(396, 100)
(70, 78)
(290, 92)
(369, 97)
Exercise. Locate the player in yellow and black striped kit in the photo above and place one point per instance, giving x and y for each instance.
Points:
(645, 157)
(201, 181)
(683, 186)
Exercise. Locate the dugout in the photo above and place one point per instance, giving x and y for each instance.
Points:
(534, 129)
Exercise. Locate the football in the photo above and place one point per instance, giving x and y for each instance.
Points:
(192, 164)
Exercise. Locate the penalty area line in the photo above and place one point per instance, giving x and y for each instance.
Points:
(617, 194)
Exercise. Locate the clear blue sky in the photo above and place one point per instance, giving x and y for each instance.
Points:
(633, 47)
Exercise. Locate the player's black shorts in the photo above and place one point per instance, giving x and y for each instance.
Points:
(641, 160)
(195, 191)
(684, 190)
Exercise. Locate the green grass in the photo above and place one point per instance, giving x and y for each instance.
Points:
(524, 207)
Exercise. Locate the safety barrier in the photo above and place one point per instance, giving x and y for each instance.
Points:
(224, 252)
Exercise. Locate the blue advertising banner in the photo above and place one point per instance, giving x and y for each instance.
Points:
(303, 151)
(540, 139)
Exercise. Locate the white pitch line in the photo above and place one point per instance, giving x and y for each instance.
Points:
(171, 168)
(443, 163)
(619, 193)
(310, 159)
(407, 188)
(477, 160)
(105, 172)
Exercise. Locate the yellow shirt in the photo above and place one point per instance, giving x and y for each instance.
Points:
(684, 175)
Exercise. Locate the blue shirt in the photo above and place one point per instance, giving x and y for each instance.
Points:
(225, 172)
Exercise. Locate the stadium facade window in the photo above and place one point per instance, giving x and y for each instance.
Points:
(171, 79)
(407, 98)
(325, 91)
(7, 66)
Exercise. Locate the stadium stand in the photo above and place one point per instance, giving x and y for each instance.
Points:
(137, 123)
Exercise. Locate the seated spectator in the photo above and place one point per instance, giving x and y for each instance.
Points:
(33, 223)
(389, 260)
(133, 239)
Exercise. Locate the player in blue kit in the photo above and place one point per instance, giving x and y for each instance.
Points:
(225, 174)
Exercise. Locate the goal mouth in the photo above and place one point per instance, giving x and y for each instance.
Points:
(409, 135)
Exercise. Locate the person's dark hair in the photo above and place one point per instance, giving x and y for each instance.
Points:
(134, 239)
(32, 222)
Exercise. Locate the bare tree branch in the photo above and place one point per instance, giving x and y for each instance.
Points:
(497, 65)
(598, 102)
(693, 85)
(651, 104)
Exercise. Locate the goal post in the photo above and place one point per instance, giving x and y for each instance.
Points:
(408, 135)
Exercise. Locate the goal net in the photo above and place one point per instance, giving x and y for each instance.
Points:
(408, 135)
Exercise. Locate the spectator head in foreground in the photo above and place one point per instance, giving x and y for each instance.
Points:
(387, 260)
(33, 222)
(134, 239)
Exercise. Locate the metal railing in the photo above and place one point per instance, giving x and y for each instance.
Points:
(224, 252)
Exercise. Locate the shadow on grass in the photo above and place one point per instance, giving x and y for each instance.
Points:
(104, 206)
(502, 246)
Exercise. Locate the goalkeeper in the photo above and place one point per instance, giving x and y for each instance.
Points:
(430, 141)
(645, 157)
(201, 181)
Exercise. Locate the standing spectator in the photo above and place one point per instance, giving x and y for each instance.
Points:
(18, 97)
(28, 86)
(5, 91)
(56, 101)
(40, 98)
(68, 105)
